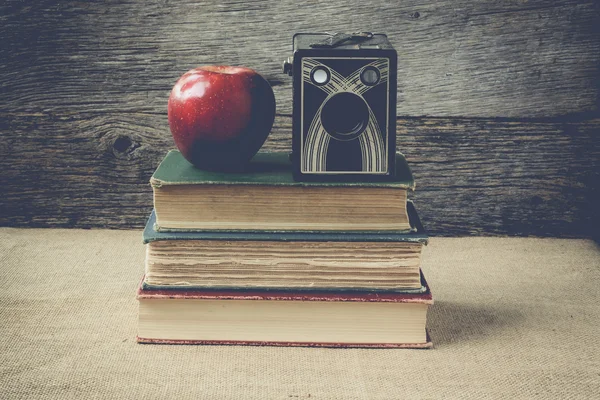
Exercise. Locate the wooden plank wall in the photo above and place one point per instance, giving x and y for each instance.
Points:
(497, 103)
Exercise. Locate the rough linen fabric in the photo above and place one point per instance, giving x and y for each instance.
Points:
(514, 318)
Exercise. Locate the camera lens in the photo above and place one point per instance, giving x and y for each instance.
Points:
(320, 75)
(345, 116)
(370, 76)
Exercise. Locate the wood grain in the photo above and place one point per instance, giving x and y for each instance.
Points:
(507, 58)
(474, 176)
(499, 102)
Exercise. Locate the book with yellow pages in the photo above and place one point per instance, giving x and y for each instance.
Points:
(284, 318)
(265, 197)
(377, 260)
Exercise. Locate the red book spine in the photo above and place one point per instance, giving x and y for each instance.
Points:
(425, 345)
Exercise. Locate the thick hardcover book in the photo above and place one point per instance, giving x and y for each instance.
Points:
(283, 318)
(265, 197)
(416, 233)
(384, 260)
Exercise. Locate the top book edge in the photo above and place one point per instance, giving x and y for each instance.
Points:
(266, 168)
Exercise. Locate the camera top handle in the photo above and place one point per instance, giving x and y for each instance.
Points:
(338, 38)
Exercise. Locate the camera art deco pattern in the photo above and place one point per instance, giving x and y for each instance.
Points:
(354, 86)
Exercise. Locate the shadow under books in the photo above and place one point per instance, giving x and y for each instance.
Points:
(453, 322)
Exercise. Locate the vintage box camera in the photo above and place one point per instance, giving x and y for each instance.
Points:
(344, 106)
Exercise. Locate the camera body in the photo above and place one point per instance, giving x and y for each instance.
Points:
(344, 107)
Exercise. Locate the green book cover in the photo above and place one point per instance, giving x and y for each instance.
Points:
(266, 168)
(417, 234)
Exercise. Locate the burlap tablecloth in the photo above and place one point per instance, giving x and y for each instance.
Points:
(513, 318)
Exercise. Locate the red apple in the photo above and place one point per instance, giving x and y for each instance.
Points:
(220, 116)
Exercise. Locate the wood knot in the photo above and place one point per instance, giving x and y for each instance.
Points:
(124, 147)
(415, 15)
(122, 143)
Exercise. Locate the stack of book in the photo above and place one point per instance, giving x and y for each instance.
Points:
(258, 258)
